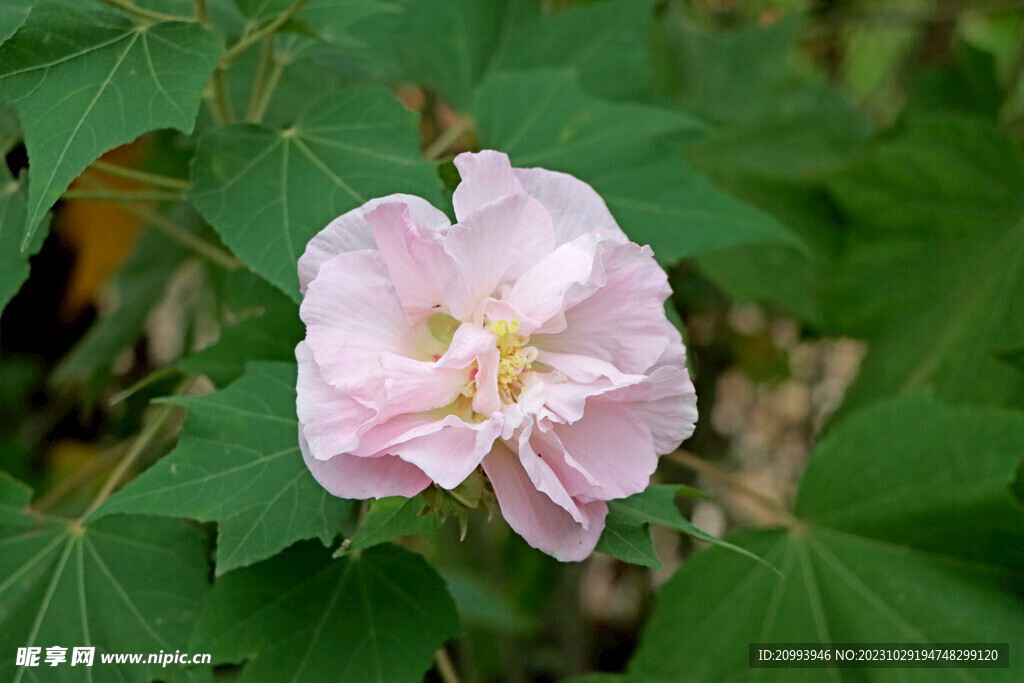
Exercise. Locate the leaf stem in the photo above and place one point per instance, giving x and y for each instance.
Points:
(447, 138)
(259, 34)
(145, 438)
(142, 176)
(223, 114)
(445, 667)
(175, 232)
(129, 196)
(143, 13)
(202, 12)
(731, 481)
(259, 83)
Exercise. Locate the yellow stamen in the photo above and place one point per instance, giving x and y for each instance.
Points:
(512, 363)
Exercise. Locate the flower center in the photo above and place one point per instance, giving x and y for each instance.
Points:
(515, 358)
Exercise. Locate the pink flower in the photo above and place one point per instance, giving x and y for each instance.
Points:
(529, 338)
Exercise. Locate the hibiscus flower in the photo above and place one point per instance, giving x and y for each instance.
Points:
(529, 339)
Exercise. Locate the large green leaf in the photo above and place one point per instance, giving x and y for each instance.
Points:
(545, 119)
(267, 191)
(331, 20)
(907, 532)
(238, 463)
(376, 616)
(12, 15)
(450, 46)
(13, 263)
(123, 584)
(934, 271)
(85, 81)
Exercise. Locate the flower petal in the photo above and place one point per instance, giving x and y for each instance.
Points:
(352, 316)
(415, 259)
(349, 232)
(494, 244)
(451, 454)
(349, 476)
(575, 207)
(535, 517)
(486, 177)
(329, 419)
(612, 446)
(624, 321)
(666, 402)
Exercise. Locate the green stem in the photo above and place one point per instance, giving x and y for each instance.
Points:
(145, 438)
(142, 176)
(259, 83)
(185, 238)
(142, 13)
(222, 111)
(115, 196)
(268, 90)
(445, 667)
(202, 12)
(447, 138)
(259, 34)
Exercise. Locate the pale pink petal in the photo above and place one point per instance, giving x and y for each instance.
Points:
(574, 206)
(352, 316)
(612, 446)
(415, 259)
(543, 477)
(622, 323)
(451, 454)
(349, 476)
(487, 400)
(330, 419)
(535, 517)
(497, 242)
(412, 386)
(540, 294)
(349, 232)
(486, 177)
(666, 402)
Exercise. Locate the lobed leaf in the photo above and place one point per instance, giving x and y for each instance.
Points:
(238, 463)
(375, 616)
(871, 560)
(84, 81)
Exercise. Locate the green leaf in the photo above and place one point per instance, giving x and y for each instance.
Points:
(450, 46)
(267, 191)
(13, 263)
(378, 616)
(260, 323)
(870, 560)
(123, 584)
(545, 119)
(388, 519)
(84, 82)
(934, 273)
(238, 463)
(626, 534)
(331, 20)
(12, 15)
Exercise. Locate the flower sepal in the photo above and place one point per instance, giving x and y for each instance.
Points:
(472, 494)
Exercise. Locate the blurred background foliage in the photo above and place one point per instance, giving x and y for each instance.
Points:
(837, 188)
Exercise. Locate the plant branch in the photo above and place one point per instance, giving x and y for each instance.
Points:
(259, 34)
(732, 482)
(145, 438)
(175, 232)
(447, 138)
(128, 196)
(143, 13)
(445, 667)
(79, 477)
(202, 12)
(142, 176)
